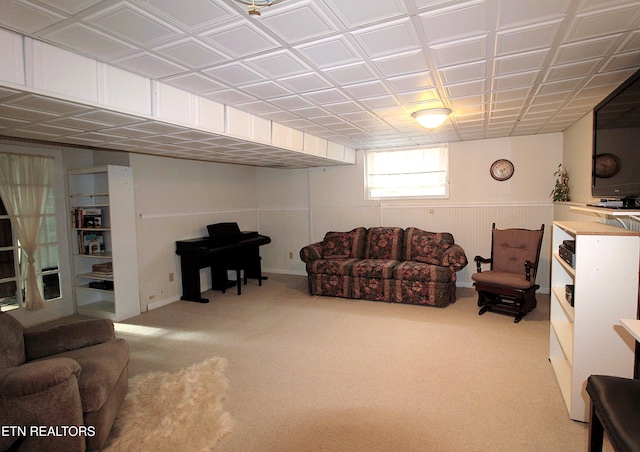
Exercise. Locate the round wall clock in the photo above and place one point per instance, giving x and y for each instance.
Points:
(606, 165)
(501, 169)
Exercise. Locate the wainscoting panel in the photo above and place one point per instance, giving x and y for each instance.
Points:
(160, 275)
(471, 228)
(289, 231)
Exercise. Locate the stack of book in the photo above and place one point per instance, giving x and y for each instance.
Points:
(104, 269)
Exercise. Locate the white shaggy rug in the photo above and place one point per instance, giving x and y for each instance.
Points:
(173, 411)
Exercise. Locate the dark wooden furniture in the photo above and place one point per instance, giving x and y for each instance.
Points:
(226, 248)
(615, 409)
(510, 284)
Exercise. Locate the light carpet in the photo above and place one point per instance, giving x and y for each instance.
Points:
(174, 411)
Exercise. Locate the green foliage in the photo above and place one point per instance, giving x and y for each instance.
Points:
(560, 190)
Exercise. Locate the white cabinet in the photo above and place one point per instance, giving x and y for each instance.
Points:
(104, 242)
(587, 338)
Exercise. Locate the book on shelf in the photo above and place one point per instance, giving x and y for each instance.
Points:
(86, 217)
(104, 269)
(90, 242)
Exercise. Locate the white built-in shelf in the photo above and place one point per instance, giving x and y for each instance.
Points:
(584, 338)
(110, 189)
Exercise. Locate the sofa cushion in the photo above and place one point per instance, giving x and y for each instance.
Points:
(12, 340)
(341, 245)
(419, 271)
(427, 247)
(340, 267)
(374, 268)
(384, 243)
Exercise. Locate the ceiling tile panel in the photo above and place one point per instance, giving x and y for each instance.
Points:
(456, 23)
(517, 13)
(26, 18)
(401, 64)
(190, 53)
(305, 83)
(523, 62)
(90, 41)
(149, 65)
(356, 14)
(192, 14)
(240, 40)
(132, 25)
(388, 38)
(193, 83)
(302, 22)
(330, 53)
(278, 64)
(604, 22)
(235, 74)
(526, 39)
(355, 73)
(461, 52)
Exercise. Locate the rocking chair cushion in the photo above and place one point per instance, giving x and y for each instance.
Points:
(512, 247)
(497, 278)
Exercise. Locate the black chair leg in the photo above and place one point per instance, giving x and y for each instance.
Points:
(596, 431)
(238, 282)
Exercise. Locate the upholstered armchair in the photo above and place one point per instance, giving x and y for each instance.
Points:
(60, 389)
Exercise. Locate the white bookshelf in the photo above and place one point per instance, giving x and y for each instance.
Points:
(588, 338)
(110, 189)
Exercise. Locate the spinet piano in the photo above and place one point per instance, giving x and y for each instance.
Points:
(225, 244)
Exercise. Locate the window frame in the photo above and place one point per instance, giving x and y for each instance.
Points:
(16, 249)
(444, 168)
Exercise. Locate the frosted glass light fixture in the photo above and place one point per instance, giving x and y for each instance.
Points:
(253, 6)
(430, 118)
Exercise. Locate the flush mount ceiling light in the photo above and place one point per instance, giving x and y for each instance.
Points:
(430, 118)
(254, 6)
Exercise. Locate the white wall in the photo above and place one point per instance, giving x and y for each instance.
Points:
(335, 200)
(175, 200)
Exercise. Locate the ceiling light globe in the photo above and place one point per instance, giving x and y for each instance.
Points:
(431, 118)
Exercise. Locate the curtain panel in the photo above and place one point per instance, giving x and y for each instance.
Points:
(25, 181)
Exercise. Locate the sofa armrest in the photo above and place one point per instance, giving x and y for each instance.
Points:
(39, 344)
(36, 377)
(41, 394)
(311, 252)
(455, 257)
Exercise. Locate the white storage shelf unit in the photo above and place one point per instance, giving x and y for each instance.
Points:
(588, 338)
(109, 189)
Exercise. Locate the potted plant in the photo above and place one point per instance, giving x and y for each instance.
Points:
(560, 190)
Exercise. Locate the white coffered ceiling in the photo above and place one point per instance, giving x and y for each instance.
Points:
(353, 71)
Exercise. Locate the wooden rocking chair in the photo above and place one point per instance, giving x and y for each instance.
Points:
(510, 284)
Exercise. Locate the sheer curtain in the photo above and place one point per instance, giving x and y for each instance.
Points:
(25, 181)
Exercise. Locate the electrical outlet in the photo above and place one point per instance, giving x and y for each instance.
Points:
(290, 255)
(170, 277)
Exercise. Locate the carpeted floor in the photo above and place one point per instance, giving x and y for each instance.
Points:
(325, 374)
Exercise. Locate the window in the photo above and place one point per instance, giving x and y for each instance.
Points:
(12, 257)
(408, 173)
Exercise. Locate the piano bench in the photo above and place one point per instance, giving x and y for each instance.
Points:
(239, 270)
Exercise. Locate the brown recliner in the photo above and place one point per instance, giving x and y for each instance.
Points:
(60, 389)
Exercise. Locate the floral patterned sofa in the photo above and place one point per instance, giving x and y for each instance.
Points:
(385, 264)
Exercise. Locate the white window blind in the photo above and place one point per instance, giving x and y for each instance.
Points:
(408, 173)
